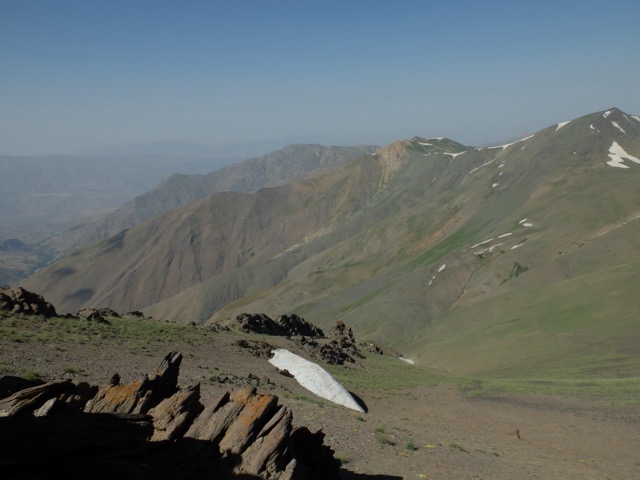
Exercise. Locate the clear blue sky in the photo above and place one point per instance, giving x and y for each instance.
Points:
(91, 73)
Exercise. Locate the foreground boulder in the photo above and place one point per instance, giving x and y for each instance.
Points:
(150, 428)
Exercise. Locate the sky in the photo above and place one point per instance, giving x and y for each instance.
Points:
(83, 74)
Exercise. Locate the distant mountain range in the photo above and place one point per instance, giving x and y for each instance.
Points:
(472, 260)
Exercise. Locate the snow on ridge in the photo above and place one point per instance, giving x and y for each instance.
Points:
(453, 155)
(314, 378)
(426, 144)
(507, 145)
(606, 114)
(636, 117)
(561, 124)
(618, 155)
(615, 124)
(436, 138)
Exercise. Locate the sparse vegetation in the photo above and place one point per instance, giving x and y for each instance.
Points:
(410, 445)
(458, 446)
(384, 439)
(30, 374)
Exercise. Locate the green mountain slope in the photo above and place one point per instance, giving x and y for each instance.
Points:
(509, 260)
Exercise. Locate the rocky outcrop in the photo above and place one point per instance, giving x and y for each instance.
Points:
(284, 326)
(96, 314)
(19, 300)
(339, 348)
(150, 428)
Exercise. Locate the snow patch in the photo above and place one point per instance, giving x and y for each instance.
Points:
(505, 235)
(593, 128)
(407, 360)
(442, 267)
(522, 221)
(635, 117)
(527, 224)
(487, 250)
(314, 378)
(453, 155)
(507, 145)
(561, 124)
(482, 243)
(615, 124)
(606, 114)
(495, 185)
(618, 155)
(517, 246)
(426, 144)
(484, 164)
(436, 138)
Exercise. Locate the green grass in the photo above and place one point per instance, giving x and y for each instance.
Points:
(387, 374)
(383, 373)
(129, 331)
(29, 374)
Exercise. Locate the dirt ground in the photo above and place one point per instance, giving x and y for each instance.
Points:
(423, 432)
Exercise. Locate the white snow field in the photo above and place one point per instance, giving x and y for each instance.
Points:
(314, 378)
(618, 155)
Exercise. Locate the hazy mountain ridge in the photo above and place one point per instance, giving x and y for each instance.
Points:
(406, 245)
(41, 197)
(180, 189)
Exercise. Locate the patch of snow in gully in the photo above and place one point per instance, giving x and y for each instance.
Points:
(615, 124)
(314, 378)
(618, 155)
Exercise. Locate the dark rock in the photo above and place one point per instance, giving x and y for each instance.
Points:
(257, 348)
(32, 398)
(257, 323)
(19, 300)
(372, 348)
(97, 314)
(10, 385)
(285, 326)
(294, 325)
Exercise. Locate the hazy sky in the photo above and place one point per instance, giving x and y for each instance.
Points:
(90, 73)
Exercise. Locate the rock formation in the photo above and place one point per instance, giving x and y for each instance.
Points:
(19, 300)
(150, 429)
